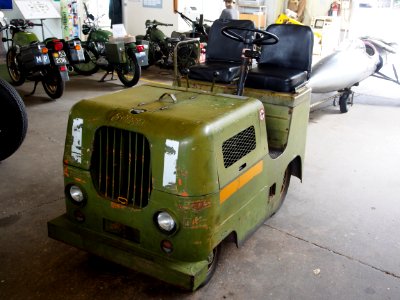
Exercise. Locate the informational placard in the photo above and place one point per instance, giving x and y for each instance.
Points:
(37, 9)
(118, 30)
(152, 3)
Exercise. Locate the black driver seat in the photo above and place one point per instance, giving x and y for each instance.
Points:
(286, 65)
(223, 55)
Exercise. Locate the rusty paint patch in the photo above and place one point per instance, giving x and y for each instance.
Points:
(195, 205)
(66, 174)
(117, 205)
(79, 180)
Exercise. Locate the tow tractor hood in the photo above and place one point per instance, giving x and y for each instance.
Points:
(187, 124)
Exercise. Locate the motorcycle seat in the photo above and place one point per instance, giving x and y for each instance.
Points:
(172, 39)
(223, 55)
(285, 65)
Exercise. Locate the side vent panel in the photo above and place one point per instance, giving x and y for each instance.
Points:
(238, 146)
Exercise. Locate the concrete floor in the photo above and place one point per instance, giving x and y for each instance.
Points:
(335, 237)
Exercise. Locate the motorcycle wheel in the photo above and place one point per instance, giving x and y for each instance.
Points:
(89, 67)
(129, 73)
(187, 57)
(17, 77)
(13, 120)
(53, 84)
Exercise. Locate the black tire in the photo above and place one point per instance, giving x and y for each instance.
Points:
(89, 67)
(16, 75)
(187, 57)
(343, 102)
(213, 259)
(284, 189)
(129, 73)
(13, 120)
(53, 84)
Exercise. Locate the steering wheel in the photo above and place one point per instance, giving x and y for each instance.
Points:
(266, 38)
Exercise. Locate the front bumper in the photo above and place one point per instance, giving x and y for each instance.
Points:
(188, 275)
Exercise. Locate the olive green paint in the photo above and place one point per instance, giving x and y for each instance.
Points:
(200, 122)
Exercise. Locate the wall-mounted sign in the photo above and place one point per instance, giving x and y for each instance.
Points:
(37, 9)
(152, 3)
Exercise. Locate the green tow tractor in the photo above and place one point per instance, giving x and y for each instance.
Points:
(157, 177)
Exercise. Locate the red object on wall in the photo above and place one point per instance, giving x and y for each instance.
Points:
(334, 9)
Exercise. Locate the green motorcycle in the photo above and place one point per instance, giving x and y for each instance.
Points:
(104, 52)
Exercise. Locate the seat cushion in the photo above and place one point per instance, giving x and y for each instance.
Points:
(227, 71)
(275, 79)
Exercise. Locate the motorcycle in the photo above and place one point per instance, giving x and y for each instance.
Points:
(102, 51)
(30, 59)
(199, 28)
(161, 48)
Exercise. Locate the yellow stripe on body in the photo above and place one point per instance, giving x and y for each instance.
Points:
(241, 181)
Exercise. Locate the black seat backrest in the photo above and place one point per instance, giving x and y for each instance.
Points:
(294, 49)
(221, 48)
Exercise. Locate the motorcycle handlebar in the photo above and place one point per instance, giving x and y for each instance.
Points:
(184, 17)
(156, 23)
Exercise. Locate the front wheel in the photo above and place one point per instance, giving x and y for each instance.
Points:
(53, 84)
(213, 259)
(13, 120)
(129, 73)
(16, 75)
(89, 67)
(187, 57)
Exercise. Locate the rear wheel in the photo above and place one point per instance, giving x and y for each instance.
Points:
(129, 73)
(89, 67)
(284, 189)
(13, 120)
(343, 102)
(53, 84)
(17, 77)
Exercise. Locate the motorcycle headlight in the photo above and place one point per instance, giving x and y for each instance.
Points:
(165, 222)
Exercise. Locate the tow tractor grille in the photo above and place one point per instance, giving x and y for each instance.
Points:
(121, 169)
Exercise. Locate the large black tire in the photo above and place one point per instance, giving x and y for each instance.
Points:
(129, 73)
(213, 259)
(16, 75)
(89, 67)
(13, 120)
(53, 84)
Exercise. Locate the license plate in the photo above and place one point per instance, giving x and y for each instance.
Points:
(42, 59)
(60, 58)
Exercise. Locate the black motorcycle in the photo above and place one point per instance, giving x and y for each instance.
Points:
(30, 59)
(199, 28)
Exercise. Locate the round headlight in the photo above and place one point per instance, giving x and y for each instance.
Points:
(76, 193)
(165, 222)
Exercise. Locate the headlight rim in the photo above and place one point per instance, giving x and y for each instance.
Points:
(68, 194)
(173, 230)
